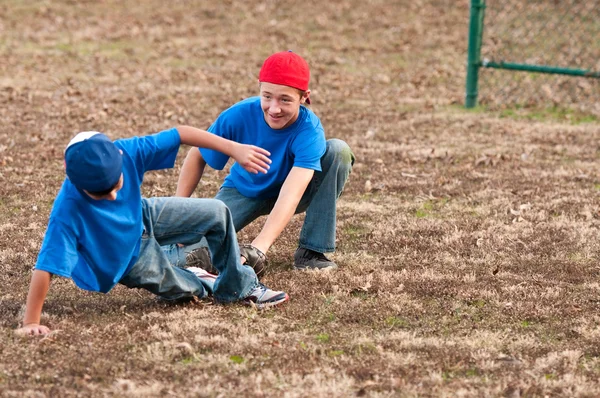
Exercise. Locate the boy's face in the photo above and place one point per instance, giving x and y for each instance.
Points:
(280, 104)
(112, 195)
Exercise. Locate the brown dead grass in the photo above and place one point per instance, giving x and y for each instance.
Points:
(468, 243)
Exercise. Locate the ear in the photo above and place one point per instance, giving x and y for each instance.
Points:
(305, 98)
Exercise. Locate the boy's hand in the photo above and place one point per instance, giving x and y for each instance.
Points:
(252, 158)
(255, 258)
(33, 329)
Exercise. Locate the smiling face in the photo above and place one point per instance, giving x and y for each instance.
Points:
(281, 104)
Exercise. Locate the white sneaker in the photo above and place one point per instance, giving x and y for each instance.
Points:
(263, 297)
(208, 279)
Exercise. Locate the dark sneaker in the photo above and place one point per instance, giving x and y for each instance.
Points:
(309, 259)
(263, 297)
(200, 258)
(206, 277)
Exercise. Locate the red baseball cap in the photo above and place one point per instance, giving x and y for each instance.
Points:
(286, 68)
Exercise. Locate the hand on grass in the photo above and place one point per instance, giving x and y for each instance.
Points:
(252, 158)
(33, 329)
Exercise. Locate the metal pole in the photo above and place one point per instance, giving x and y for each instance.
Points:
(541, 69)
(474, 51)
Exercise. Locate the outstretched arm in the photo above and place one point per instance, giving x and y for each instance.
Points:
(252, 158)
(291, 192)
(38, 289)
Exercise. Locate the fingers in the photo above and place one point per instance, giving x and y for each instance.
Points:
(257, 163)
(260, 161)
(262, 151)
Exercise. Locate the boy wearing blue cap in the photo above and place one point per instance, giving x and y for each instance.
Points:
(308, 173)
(102, 232)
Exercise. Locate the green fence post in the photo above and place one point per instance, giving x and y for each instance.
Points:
(474, 51)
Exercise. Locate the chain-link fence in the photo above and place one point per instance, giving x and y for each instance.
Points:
(535, 53)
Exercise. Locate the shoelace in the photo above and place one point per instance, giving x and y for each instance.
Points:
(260, 290)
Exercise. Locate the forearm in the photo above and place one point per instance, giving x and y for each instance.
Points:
(285, 207)
(191, 173)
(38, 289)
(276, 221)
(252, 158)
(203, 139)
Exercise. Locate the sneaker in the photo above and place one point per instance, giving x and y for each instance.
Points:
(200, 258)
(208, 279)
(309, 259)
(263, 297)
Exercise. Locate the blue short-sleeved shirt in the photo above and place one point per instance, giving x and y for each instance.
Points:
(95, 242)
(302, 144)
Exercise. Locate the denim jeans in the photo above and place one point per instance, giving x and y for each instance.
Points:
(319, 200)
(168, 221)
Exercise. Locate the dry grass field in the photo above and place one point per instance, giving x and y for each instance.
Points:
(468, 241)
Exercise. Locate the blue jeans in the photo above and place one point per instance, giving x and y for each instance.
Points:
(318, 201)
(168, 221)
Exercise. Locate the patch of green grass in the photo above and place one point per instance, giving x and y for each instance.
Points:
(236, 359)
(323, 338)
(371, 196)
(525, 324)
(477, 109)
(541, 114)
(111, 49)
(360, 294)
(365, 348)
(396, 322)
(479, 303)
(356, 231)
(114, 49)
(554, 113)
(336, 353)
(597, 187)
(472, 373)
(430, 208)
(188, 360)
(420, 213)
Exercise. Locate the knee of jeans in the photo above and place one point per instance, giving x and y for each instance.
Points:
(222, 210)
(340, 152)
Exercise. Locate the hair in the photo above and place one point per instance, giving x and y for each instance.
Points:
(301, 93)
(106, 191)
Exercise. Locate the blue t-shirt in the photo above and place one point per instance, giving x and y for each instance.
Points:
(302, 144)
(95, 242)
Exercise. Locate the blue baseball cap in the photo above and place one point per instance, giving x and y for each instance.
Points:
(93, 162)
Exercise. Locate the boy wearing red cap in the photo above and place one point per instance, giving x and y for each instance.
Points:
(308, 172)
(102, 232)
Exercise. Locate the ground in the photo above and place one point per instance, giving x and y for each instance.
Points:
(467, 240)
